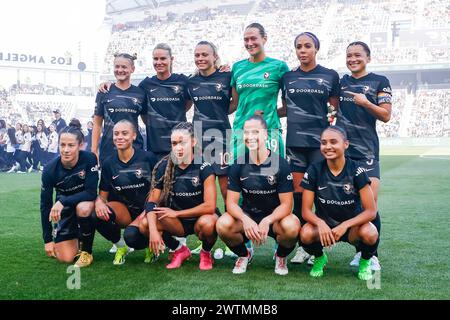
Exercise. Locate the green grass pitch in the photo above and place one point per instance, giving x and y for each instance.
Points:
(414, 252)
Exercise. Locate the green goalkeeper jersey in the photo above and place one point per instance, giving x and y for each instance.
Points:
(258, 84)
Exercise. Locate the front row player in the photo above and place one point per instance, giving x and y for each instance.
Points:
(344, 202)
(124, 185)
(74, 177)
(264, 178)
(182, 202)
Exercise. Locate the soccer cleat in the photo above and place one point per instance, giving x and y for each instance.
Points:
(241, 264)
(355, 261)
(365, 272)
(84, 259)
(319, 265)
(179, 256)
(119, 258)
(113, 249)
(230, 253)
(281, 265)
(206, 260)
(300, 256)
(150, 257)
(375, 264)
(198, 249)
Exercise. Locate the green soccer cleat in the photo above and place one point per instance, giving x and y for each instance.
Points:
(150, 257)
(365, 270)
(198, 249)
(318, 266)
(119, 258)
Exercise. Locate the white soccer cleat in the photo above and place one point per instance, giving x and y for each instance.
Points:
(375, 264)
(281, 266)
(241, 264)
(355, 261)
(113, 249)
(300, 256)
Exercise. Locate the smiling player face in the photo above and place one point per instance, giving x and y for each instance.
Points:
(333, 145)
(204, 57)
(123, 136)
(254, 42)
(357, 59)
(123, 69)
(161, 61)
(255, 135)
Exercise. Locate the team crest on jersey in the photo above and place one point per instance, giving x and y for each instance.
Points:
(176, 89)
(138, 173)
(320, 81)
(271, 180)
(82, 174)
(266, 75)
(366, 89)
(348, 188)
(195, 181)
(219, 87)
(290, 177)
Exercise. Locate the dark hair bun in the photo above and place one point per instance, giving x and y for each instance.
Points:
(75, 123)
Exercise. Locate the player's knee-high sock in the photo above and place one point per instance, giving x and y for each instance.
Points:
(315, 249)
(298, 205)
(87, 233)
(170, 241)
(134, 238)
(240, 250)
(283, 251)
(108, 229)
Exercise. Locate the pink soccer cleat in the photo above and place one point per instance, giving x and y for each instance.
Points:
(179, 256)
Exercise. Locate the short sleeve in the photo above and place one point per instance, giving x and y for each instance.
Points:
(233, 80)
(285, 178)
(159, 176)
(205, 171)
(361, 178)
(384, 91)
(283, 69)
(233, 178)
(99, 110)
(309, 180)
(335, 88)
(106, 177)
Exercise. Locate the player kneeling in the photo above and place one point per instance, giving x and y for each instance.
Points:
(265, 181)
(344, 202)
(188, 204)
(74, 177)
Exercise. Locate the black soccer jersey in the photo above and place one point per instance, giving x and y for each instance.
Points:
(187, 191)
(260, 184)
(116, 105)
(128, 183)
(359, 123)
(166, 107)
(307, 94)
(211, 97)
(336, 198)
(72, 186)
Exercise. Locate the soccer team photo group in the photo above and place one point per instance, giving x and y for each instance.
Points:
(261, 177)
